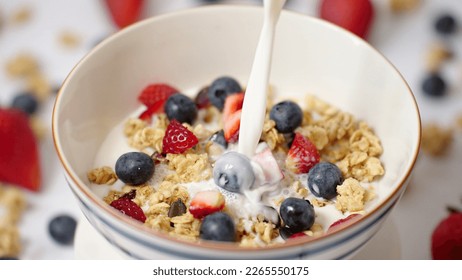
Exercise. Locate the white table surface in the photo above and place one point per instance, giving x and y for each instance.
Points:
(402, 38)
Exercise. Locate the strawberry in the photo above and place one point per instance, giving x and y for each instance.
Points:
(269, 166)
(302, 155)
(205, 203)
(297, 235)
(446, 242)
(353, 15)
(178, 138)
(19, 163)
(233, 103)
(129, 208)
(124, 12)
(232, 116)
(154, 97)
(231, 127)
(342, 223)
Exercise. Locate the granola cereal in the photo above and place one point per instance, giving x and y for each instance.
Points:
(12, 205)
(403, 5)
(436, 140)
(338, 137)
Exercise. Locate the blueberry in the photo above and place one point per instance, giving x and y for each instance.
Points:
(219, 138)
(287, 115)
(445, 24)
(134, 168)
(25, 102)
(233, 172)
(62, 229)
(323, 180)
(181, 108)
(434, 85)
(220, 89)
(218, 226)
(297, 214)
(285, 233)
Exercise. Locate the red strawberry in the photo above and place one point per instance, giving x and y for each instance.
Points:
(232, 116)
(178, 138)
(129, 208)
(205, 203)
(342, 223)
(302, 155)
(19, 163)
(154, 97)
(297, 235)
(269, 166)
(124, 12)
(447, 238)
(231, 127)
(353, 15)
(233, 103)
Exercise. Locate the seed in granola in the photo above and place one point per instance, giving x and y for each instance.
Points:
(129, 195)
(323, 180)
(177, 208)
(218, 226)
(233, 172)
(62, 229)
(134, 168)
(297, 214)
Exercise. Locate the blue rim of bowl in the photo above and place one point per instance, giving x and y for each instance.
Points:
(127, 221)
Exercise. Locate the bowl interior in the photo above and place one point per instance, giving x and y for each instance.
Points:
(189, 49)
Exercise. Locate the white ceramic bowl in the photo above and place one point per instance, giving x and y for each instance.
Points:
(190, 48)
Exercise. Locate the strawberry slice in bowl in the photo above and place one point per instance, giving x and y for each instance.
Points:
(302, 155)
(178, 139)
(205, 203)
(154, 97)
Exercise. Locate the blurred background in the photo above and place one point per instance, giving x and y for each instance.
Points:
(41, 41)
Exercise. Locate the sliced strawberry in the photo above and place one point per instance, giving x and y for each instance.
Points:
(233, 103)
(155, 94)
(231, 127)
(178, 138)
(297, 235)
(124, 12)
(342, 223)
(302, 155)
(205, 203)
(129, 208)
(269, 166)
(446, 239)
(19, 163)
(353, 15)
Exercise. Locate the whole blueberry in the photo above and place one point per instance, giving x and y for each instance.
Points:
(297, 214)
(134, 168)
(434, 85)
(220, 89)
(219, 138)
(62, 229)
(218, 226)
(287, 115)
(233, 172)
(445, 24)
(25, 102)
(181, 108)
(323, 179)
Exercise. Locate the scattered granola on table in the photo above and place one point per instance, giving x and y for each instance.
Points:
(436, 139)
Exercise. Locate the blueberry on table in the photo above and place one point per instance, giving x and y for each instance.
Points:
(298, 214)
(287, 115)
(233, 172)
(181, 108)
(62, 229)
(434, 85)
(25, 102)
(323, 180)
(134, 168)
(220, 89)
(218, 226)
(446, 24)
